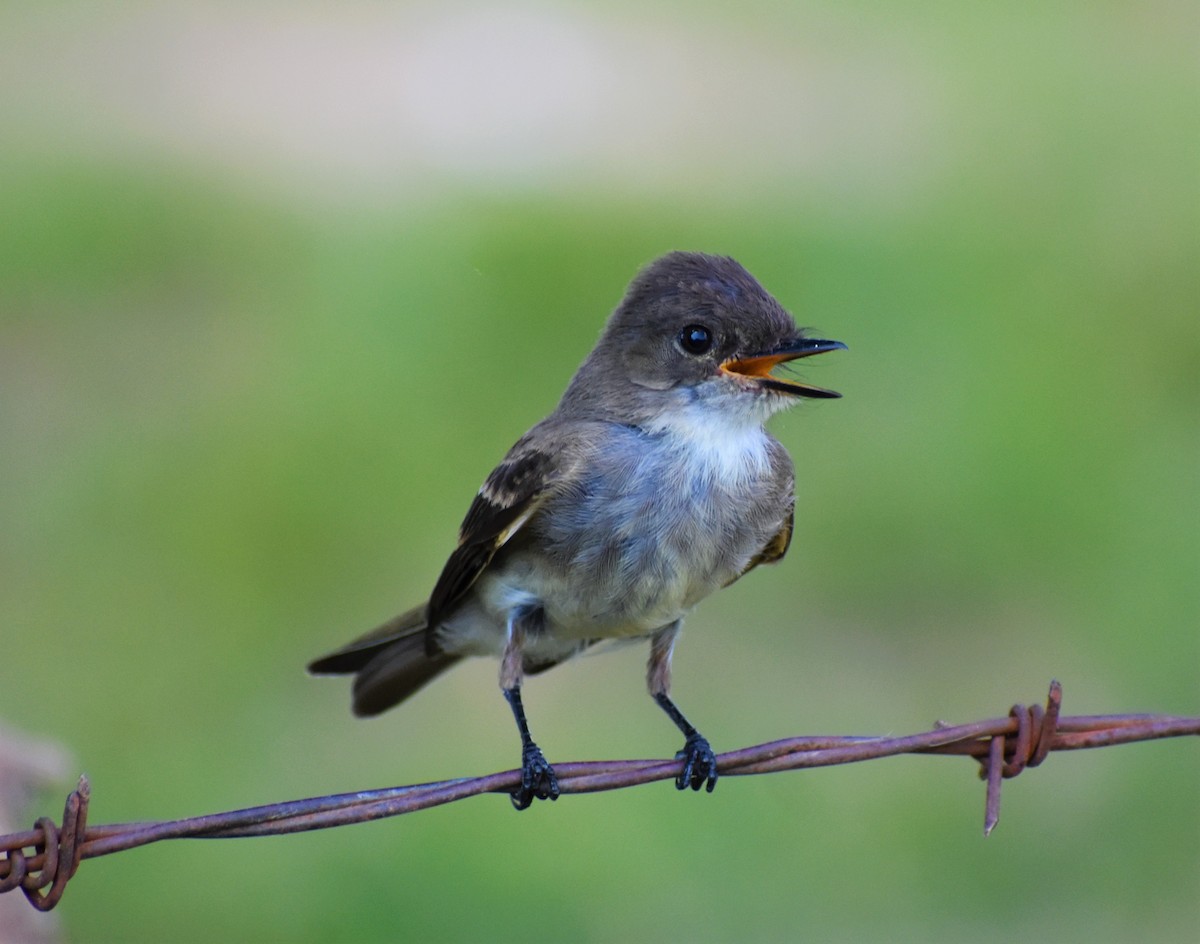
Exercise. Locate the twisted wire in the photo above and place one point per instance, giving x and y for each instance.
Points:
(47, 856)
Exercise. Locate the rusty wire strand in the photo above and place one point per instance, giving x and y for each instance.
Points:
(47, 856)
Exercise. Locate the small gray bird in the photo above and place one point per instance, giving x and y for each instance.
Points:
(651, 485)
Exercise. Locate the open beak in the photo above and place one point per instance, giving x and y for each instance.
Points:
(759, 366)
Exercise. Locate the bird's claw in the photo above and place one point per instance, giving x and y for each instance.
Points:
(699, 765)
(537, 779)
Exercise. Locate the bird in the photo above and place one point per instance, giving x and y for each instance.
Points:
(651, 485)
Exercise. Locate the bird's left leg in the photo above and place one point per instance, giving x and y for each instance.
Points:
(699, 762)
(537, 776)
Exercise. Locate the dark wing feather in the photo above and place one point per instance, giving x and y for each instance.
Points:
(774, 549)
(510, 495)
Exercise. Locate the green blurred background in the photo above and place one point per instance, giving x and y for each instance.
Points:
(280, 283)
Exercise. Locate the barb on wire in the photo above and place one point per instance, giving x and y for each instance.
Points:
(48, 855)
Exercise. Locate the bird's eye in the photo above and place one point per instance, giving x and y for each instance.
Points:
(696, 339)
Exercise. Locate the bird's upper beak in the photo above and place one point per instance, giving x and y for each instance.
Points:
(759, 366)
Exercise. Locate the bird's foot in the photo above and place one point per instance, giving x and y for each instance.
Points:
(537, 778)
(699, 765)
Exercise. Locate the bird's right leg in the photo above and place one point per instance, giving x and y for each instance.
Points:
(537, 776)
(699, 767)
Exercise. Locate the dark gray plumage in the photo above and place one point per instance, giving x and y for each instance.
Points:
(651, 485)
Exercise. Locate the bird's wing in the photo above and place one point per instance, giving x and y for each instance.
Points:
(773, 550)
(534, 469)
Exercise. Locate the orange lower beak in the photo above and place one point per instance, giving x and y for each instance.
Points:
(759, 366)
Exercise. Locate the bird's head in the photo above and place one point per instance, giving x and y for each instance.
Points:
(698, 328)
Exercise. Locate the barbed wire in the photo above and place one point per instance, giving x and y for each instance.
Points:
(41, 861)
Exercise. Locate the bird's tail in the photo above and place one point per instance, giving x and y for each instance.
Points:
(388, 664)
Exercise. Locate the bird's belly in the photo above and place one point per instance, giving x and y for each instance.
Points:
(628, 576)
(575, 606)
(654, 528)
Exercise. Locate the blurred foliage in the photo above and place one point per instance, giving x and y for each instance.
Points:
(236, 429)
